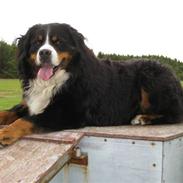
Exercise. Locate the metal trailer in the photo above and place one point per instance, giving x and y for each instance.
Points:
(128, 154)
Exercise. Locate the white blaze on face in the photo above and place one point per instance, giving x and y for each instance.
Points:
(48, 46)
(46, 70)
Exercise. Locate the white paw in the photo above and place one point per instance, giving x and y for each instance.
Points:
(138, 120)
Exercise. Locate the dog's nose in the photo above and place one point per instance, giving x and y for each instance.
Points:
(45, 53)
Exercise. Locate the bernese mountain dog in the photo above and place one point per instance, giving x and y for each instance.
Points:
(66, 87)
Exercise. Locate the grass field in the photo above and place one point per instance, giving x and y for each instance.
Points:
(10, 93)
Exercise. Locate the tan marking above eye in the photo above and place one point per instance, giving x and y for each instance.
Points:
(54, 38)
(40, 38)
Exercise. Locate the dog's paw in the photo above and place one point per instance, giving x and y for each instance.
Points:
(7, 138)
(16, 130)
(140, 120)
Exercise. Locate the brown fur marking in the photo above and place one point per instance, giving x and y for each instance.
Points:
(40, 38)
(7, 117)
(146, 117)
(64, 56)
(145, 104)
(16, 130)
(54, 38)
(33, 56)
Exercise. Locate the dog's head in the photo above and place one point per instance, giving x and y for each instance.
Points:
(47, 48)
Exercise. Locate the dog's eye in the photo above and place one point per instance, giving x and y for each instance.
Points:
(56, 42)
(39, 42)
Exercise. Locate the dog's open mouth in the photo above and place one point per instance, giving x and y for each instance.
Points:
(46, 72)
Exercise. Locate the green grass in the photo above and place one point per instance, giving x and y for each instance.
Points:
(10, 93)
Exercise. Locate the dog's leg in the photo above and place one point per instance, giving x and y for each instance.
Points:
(9, 116)
(144, 119)
(15, 131)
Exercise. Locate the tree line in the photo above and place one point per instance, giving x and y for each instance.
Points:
(8, 63)
(174, 64)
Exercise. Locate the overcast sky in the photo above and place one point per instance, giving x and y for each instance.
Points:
(135, 27)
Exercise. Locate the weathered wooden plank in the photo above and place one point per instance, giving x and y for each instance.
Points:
(149, 132)
(57, 137)
(29, 160)
(65, 137)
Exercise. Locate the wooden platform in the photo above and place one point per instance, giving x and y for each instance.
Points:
(38, 157)
(149, 132)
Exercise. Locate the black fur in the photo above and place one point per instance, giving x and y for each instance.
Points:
(101, 92)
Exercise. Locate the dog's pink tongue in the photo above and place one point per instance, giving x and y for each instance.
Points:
(45, 72)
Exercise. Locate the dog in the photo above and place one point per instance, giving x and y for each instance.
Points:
(66, 87)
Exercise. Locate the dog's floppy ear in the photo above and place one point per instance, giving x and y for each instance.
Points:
(79, 41)
(77, 37)
(23, 43)
(23, 46)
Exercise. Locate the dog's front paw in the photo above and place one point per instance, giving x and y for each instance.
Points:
(15, 131)
(7, 137)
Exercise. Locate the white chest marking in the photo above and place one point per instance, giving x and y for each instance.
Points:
(40, 92)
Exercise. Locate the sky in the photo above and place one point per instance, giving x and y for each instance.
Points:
(128, 27)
